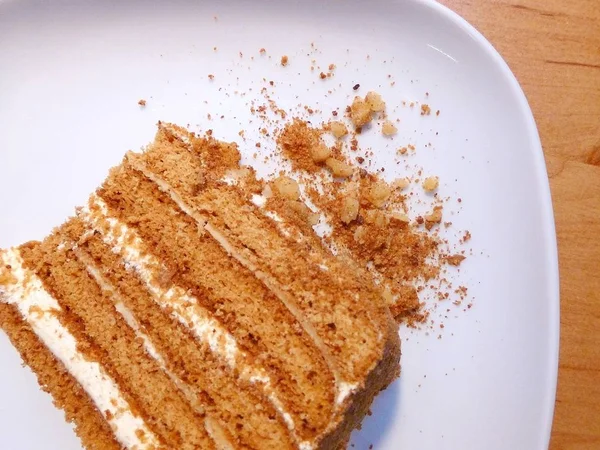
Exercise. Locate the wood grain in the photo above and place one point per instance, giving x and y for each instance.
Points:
(553, 47)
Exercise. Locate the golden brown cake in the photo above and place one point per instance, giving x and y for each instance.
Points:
(174, 311)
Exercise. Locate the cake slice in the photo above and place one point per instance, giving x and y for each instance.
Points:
(172, 312)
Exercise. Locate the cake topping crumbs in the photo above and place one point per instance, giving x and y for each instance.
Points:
(287, 188)
(388, 128)
(430, 184)
(339, 168)
(375, 102)
(455, 260)
(360, 112)
(338, 129)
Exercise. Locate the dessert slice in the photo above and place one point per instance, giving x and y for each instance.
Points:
(172, 312)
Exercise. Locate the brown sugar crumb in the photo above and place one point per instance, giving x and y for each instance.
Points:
(211, 76)
(262, 51)
(455, 260)
(425, 110)
(388, 128)
(322, 75)
(284, 60)
(142, 102)
(331, 66)
(302, 145)
(430, 184)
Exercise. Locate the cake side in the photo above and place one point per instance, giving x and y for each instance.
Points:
(45, 332)
(79, 409)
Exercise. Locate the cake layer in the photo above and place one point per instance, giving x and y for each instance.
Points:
(191, 361)
(112, 341)
(329, 297)
(261, 325)
(43, 316)
(52, 376)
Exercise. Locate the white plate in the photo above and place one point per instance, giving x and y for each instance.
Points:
(71, 73)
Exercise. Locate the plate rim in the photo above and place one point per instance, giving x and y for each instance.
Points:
(546, 205)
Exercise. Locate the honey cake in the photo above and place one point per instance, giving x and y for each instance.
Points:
(172, 311)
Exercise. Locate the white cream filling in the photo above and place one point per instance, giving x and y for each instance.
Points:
(38, 308)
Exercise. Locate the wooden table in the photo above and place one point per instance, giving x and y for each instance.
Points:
(553, 47)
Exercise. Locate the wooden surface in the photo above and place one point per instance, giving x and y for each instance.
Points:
(553, 47)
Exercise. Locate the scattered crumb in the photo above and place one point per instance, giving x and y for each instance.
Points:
(375, 102)
(430, 184)
(339, 168)
(338, 129)
(142, 102)
(455, 260)
(360, 112)
(388, 128)
(425, 110)
(284, 60)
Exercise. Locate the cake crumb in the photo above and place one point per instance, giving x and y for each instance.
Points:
(430, 184)
(339, 168)
(142, 102)
(287, 188)
(360, 112)
(284, 60)
(434, 217)
(425, 110)
(350, 208)
(400, 184)
(375, 102)
(388, 128)
(338, 129)
(455, 260)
